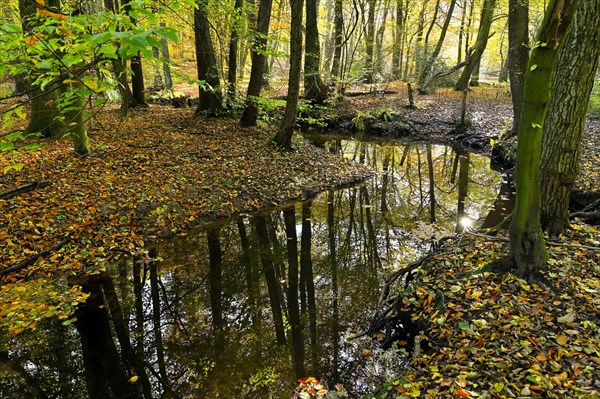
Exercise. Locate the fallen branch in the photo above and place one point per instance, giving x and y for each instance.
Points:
(29, 261)
(13, 192)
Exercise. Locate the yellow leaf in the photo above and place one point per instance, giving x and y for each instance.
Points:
(133, 379)
(562, 339)
(40, 2)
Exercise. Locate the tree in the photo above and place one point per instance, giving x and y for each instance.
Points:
(428, 65)
(315, 90)
(518, 54)
(283, 138)
(259, 48)
(485, 23)
(210, 100)
(572, 83)
(44, 109)
(338, 37)
(370, 41)
(398, 42)
(527, 246)
(233, 52)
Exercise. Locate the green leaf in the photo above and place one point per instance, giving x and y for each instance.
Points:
(533, 67)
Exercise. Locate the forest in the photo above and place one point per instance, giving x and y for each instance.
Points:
(299, 199)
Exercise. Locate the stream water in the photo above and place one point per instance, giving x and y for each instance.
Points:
(208, 315)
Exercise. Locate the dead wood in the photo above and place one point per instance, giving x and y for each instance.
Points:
(13, 192)
(31, 260)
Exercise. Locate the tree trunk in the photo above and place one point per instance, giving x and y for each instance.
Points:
(315, 90)
(428, 65)
(166, 62)
(572, 83)
(398, 35)
(370, 41)
(259, 45)
(233, 54)
(338, 33)
(284, 136)
(137, 82)
(210, 93)
(518, 55)
(487, 12)
(527, 246)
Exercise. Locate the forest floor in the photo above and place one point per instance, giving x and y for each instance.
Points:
(163, 172)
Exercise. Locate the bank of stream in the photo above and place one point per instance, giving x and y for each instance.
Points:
(207, 314)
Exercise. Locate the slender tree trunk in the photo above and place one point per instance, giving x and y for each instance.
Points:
(166, 63)
(233, 53)
(572, 83)
(527, 246)
(370, 41)
(461, 32)
(210, 101)
(428, 65)
(315, 90)
(518, 55)
(398, 35)
(258, 47)
(487, 12)
(284, 136)
(338, 34)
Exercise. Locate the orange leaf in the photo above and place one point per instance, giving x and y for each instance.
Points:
(461, 393)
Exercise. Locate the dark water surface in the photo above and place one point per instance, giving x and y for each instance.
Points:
(211, 314)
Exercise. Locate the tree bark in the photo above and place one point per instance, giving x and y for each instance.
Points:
(338, 32)
(210, 100)
(259, 46)
(527, 245)
(370, 41)
(572, 83)
(283, 137)
(487, 12)
(233, 54)
(518, 55)
(398, 36)
(315, 90)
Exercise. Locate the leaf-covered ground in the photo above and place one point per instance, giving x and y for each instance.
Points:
(495, 336)
(160, 173)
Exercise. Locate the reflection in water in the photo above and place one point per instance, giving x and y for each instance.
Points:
(242, 308)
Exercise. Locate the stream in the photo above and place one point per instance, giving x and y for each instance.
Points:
(208, 314)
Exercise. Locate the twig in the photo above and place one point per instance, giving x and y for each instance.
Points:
(31, 260)
(551, 243)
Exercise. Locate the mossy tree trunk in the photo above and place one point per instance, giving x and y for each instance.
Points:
(210, 100)
(572, 83)
(283, 138)
(259, 46)
(76, 123)
(518, 55)
(370, 42)
(398, 43)
(487, 12)
(527, 245)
